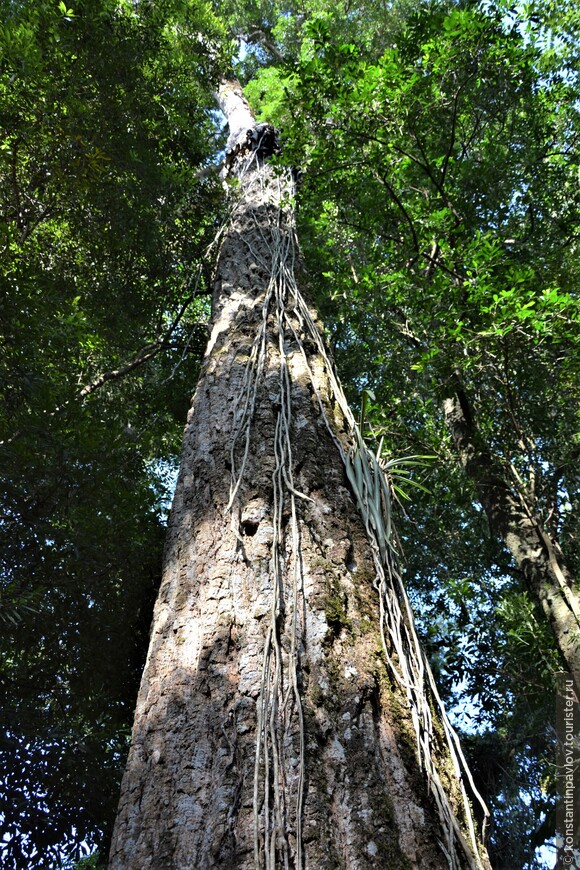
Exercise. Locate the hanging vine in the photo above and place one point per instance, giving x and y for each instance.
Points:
(286, 316)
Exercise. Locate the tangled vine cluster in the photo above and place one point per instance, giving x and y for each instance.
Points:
(280, 700)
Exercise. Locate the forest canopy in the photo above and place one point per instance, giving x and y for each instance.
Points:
(437, 150)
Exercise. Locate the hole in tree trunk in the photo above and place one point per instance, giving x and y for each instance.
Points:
(250, 527)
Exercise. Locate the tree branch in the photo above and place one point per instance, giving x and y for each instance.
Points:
(394, 196)
(148, 352)
(259, 37)
(144, 355)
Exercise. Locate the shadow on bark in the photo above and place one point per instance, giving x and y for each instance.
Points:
(188, 793)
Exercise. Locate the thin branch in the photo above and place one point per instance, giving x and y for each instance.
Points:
(451, 145)
(29, 228)
(440, 189)
(524, 443)
(144, 355)
(403, 326)
(437, 263)
(393, 194)
(259, 37)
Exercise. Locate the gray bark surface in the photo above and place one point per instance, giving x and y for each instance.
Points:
(268, 732)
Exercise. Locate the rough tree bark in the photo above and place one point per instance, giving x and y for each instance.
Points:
(510, 517)
(285, 705)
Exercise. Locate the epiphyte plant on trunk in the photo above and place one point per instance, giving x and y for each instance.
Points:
(287, 715)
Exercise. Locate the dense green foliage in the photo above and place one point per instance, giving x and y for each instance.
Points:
(440, 216)
(105, 118)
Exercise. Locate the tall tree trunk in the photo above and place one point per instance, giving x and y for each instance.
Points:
(515, 522)
(286, 716)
